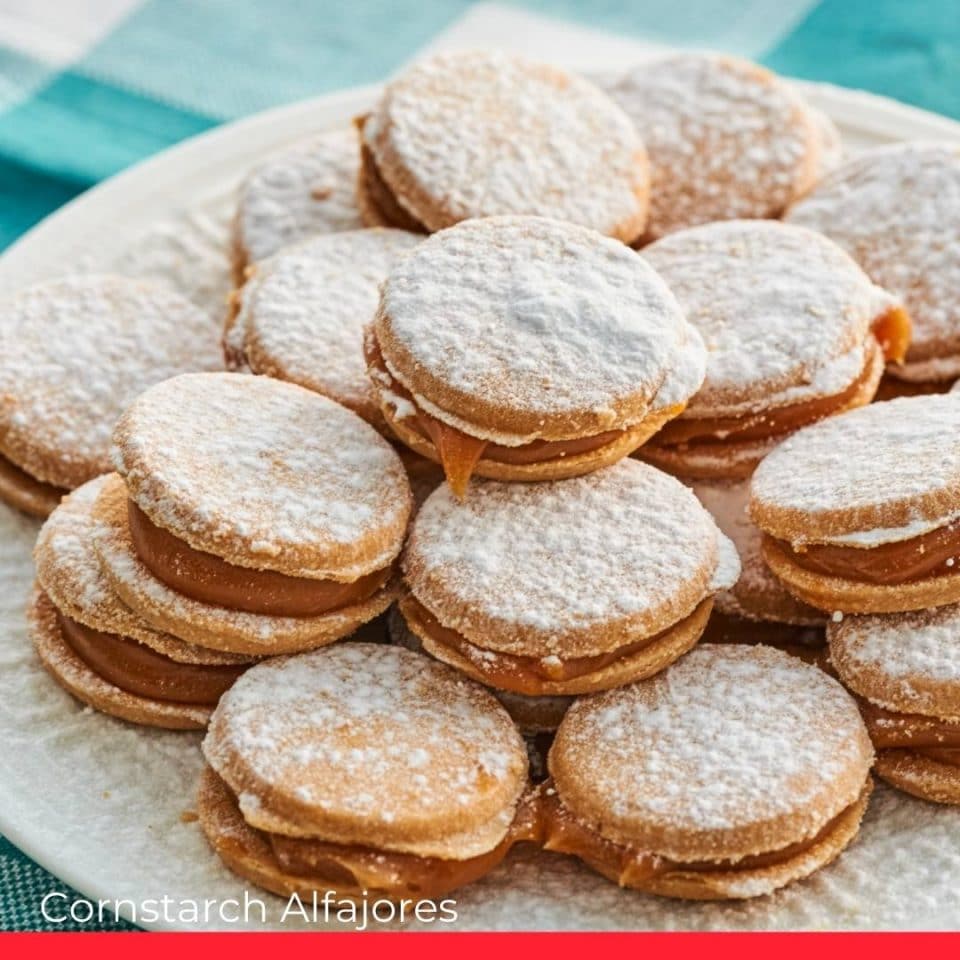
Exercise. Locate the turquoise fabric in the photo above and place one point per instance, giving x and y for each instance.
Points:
(174, 68)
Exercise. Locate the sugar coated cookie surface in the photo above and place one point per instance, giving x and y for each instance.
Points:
(560, 568)
(881, 473)
(705, 761)
(896, 210)
(784, 312)
(304, 310)
(726, 139)
(74, 352)
(266, 473)
(530, 328)
(304, 190)
(373, 745)
(477, 134)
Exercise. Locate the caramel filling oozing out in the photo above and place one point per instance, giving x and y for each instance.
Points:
(348, 867)
(890, 730)
(893, 331)
(632, 866)
(519, 674)
(143, 672)
(380, 196)
(804, 642)
(930, 555)
(764, 425)
(209, 579)
(459, 453)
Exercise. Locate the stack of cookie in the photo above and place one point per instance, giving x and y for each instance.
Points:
(635, 327)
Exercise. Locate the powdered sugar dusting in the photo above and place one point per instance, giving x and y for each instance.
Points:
(484, 133)
(266, 473)
(917, 654)
(726, 138)
(305, 309)
(883, 455)
(777, 307)
(371, 732)
(74, 352)
(896, 210)
(725, 738)
(545, 563)
(297, 193)
(537, 315)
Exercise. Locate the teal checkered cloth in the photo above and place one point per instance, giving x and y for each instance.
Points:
(87, 89)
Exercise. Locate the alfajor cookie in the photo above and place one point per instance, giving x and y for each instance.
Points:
(795, 332)
(564, 587)
(304, 190)
(736, 771)
(905, 670)
(362, 769)
(532, 715)
(860, 512)
(488, 133)
(757, 608)
(522, 348)
(73, 353)
(726, 138)
(302, 313)
(896, 211)
(102, 652)
(252, 516)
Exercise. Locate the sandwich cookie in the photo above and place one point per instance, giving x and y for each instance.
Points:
(795, 332)
(726, 138)
(735, 772)
(757, 608)
(256, 517)
(896, 211)
(297, 193)
(522, 348)
(861, 512)
(362, 769)
(564, 588)
(533, 715)
(100, 650)
(483, 133)
(73, 353)
(303, 311)
(905, 670)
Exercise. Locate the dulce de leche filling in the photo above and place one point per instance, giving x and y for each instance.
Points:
(520, 674)
(209, 579)
(890, 730)
(381, 197)
(459, 453)
(766, 424)
(143, 672)
(931, 554)
(632, 866)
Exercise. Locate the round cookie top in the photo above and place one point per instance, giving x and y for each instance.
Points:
(757, 594)
(304, 310)
(883, 473)
(370, 744)
(74, 352)
(531, 328)
(905, 662)
(264, 474)
(784, 312)
(483, 133)
(726, 139)
(896, 211)
(302, 191)
(70, 574)
(730, 751)
(570, 567)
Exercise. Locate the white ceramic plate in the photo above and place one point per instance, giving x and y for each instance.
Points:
(100, 804)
